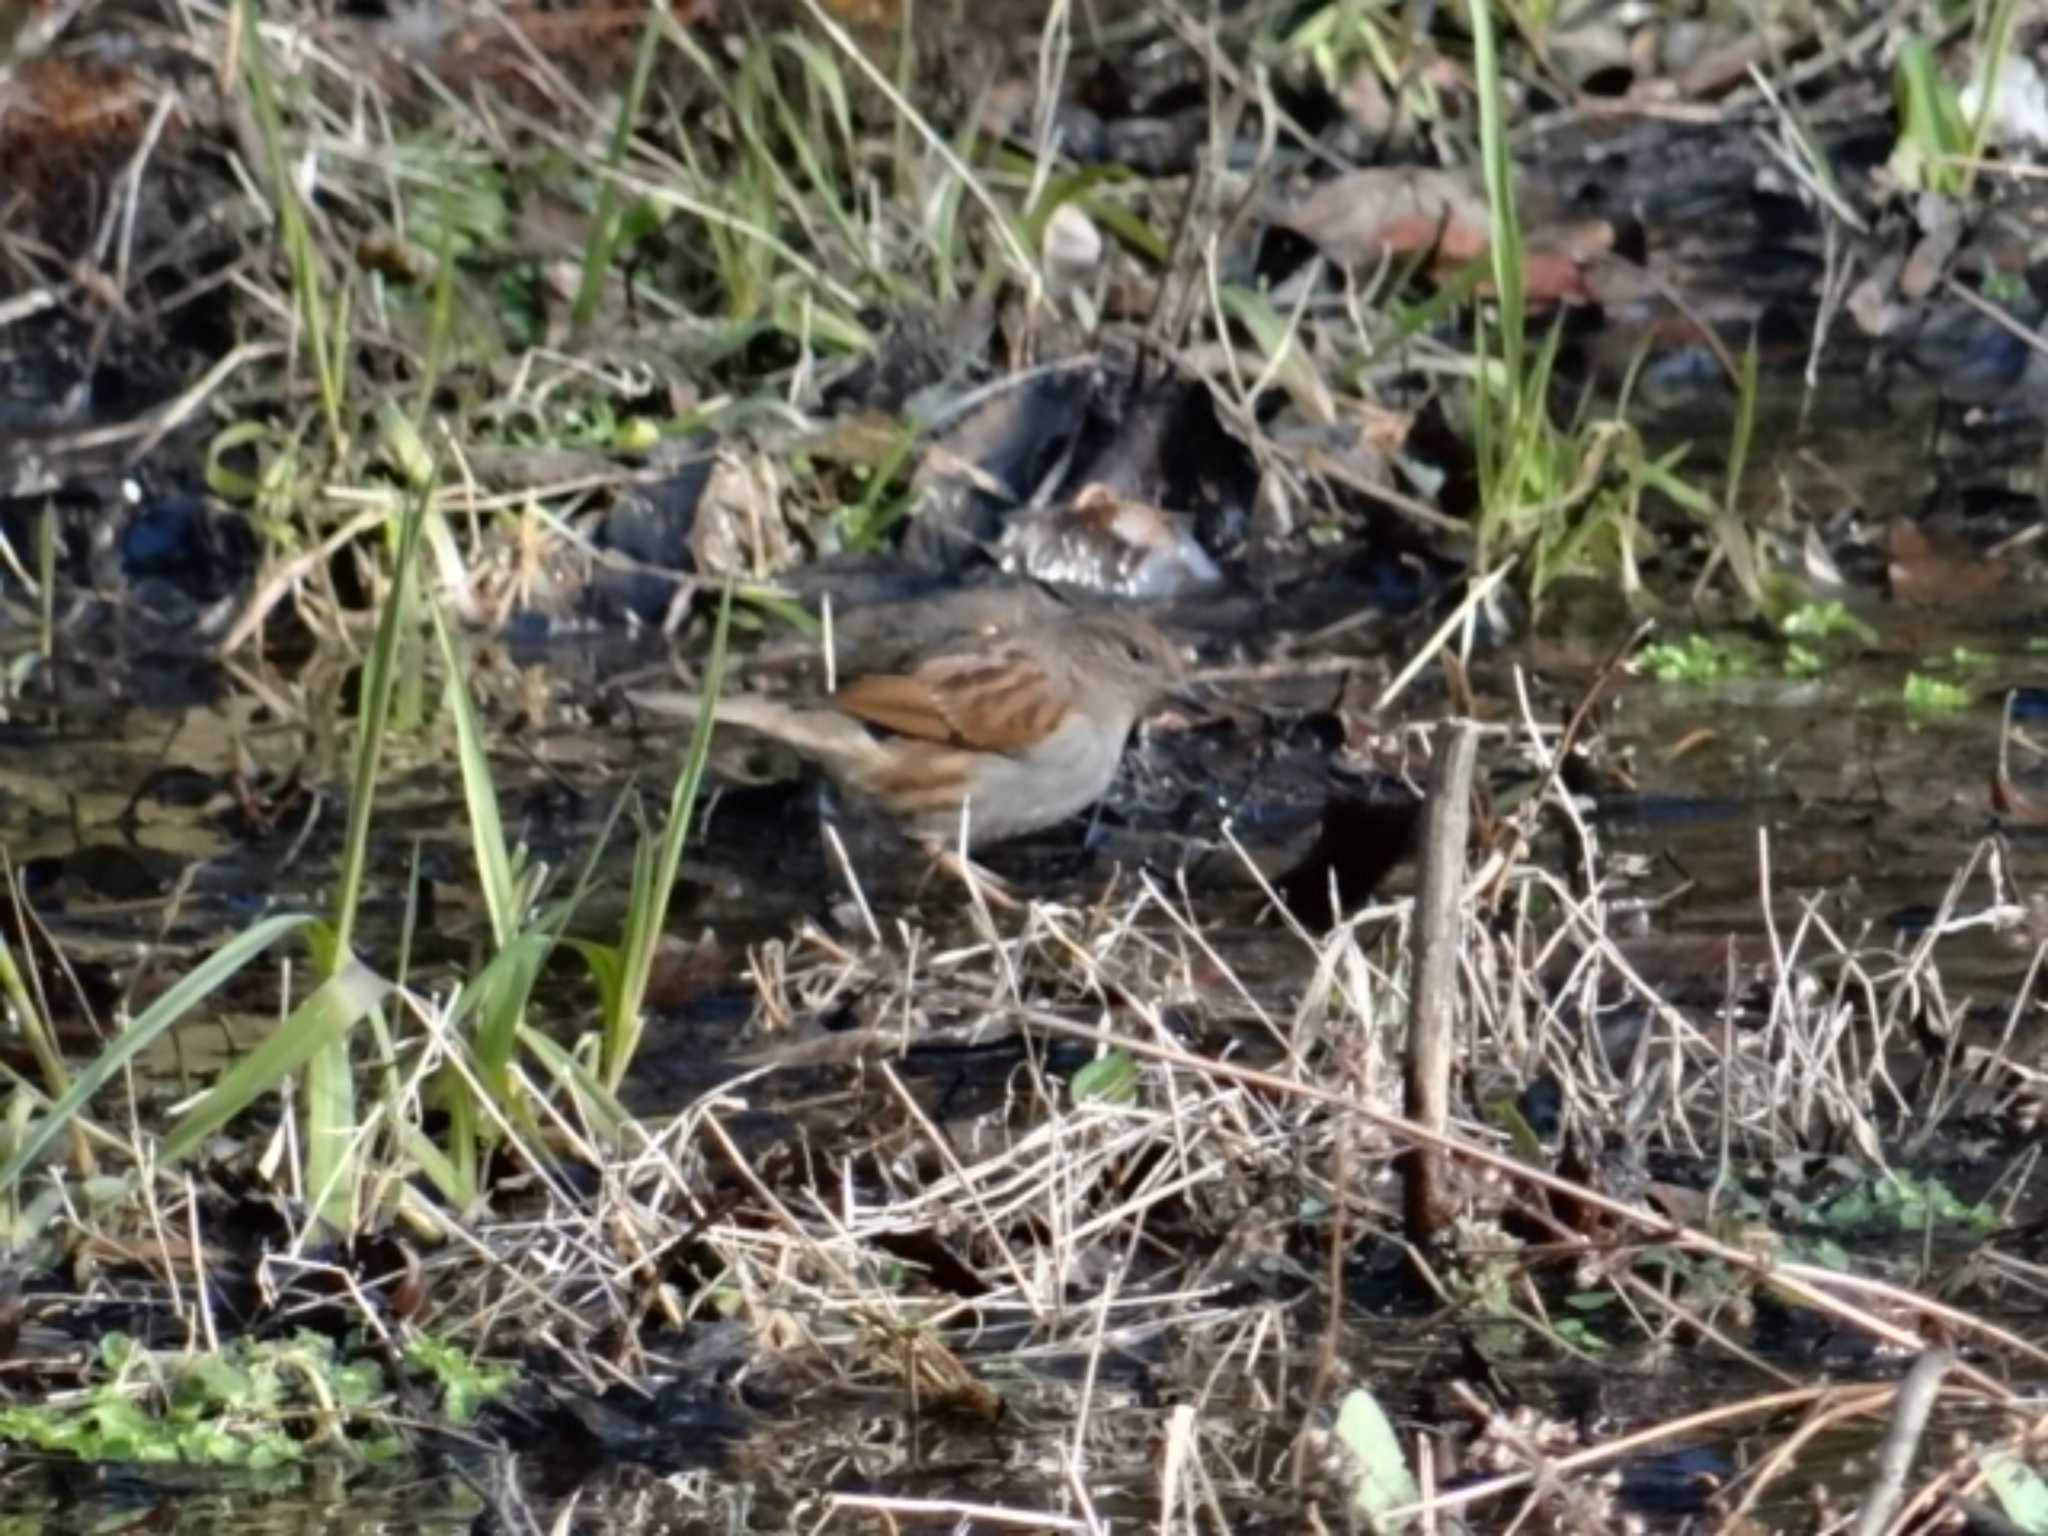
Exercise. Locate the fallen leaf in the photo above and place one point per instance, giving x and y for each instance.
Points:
(1384, 213)
(1936, 570)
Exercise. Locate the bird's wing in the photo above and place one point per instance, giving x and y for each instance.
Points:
(1001, 700)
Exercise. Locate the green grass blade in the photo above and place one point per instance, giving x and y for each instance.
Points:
(494, 862)
(292, 229)
(499, 994)
(1932, 136)
(654, 872)
(192, 989)
(1992, 54)
(316, 1027)
(1500, 188)
(29, 1018)
(380, 681)
(329, 1084)
(595, 1103)
(604, 223)
(1743, 434)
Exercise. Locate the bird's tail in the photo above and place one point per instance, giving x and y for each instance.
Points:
(825, 733)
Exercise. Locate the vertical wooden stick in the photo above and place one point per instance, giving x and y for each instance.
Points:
(1432, 1012)
(1901, 1441)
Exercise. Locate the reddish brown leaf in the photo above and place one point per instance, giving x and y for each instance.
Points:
(1385, 213)
(1936, 570)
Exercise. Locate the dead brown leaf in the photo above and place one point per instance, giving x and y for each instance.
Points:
(1385, 213)
(1926, 568)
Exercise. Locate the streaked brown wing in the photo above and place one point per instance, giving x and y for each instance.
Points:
(993, 703)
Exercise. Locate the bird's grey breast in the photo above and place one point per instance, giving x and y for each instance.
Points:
(1062, 773)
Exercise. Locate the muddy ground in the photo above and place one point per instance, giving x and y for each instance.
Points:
(914, 1212)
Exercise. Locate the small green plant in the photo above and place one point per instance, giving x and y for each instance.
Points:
(1339, 39)
(1563, 499)
(257, 1405)
(1932, 138)
(278, 484)
(1826, 621)
(466, 1384)
(1899, 1202)
(1926, 695)
(1938, 146)
(1829, 626)
(1697, 658)
(622, 972)
(1110, 1079)
(1582, 1331)
(786, 164)
(1802, 661)
(865, 525)
(1381, 1479)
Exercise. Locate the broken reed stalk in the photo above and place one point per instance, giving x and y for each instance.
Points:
(1446, 821)
(1895, 1456)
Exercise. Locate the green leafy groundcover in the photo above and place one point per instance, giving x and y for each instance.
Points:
(256, 1404)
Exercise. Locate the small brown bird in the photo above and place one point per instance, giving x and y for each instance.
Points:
(1025, 728)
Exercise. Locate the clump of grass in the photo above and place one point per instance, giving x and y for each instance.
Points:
(1557, 500)
(624, 974)
(322, 327)
(1940, 147)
